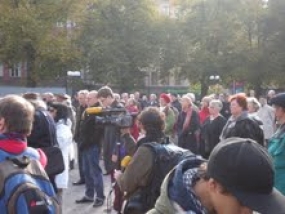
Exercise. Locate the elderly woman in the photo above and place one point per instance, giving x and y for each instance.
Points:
(212, 127)
(188, 125)
(276, 145)
(240, 124)
(253, 106)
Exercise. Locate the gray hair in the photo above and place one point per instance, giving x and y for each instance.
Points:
(216, 104)
(254, 101)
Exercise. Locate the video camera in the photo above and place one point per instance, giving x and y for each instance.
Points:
(111, 116)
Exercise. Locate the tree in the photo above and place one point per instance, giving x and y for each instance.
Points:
(29, 35)
(117, 40)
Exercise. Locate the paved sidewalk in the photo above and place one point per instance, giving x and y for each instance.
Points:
(76, 192)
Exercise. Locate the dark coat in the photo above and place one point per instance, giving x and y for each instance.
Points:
(111, 136)
(244, 126)
(210, 134)
(91, 133)
(188, 138)
(79, 112)
(177, 105)
(43, 132)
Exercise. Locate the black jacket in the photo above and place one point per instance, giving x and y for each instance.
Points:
(245, 126)
(43, 132)
(90, 132)
(111, 136)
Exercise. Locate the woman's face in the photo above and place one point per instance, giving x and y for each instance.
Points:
(52, 111)
(236, 109)
(185, 103)
(250, 107)
(213, 110)
(204, 103)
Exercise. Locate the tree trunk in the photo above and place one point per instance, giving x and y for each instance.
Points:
(204, 88)
(31, 74)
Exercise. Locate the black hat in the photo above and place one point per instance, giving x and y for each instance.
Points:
(278, 100)
(246, 170)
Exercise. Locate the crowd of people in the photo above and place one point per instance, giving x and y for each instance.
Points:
(222, 155)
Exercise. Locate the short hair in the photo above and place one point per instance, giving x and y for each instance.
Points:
(93, 92)
(18, 114)
(254, 101)
(207, 99)
(152, 120)
(217, 104)
(31, 96)
(85, 92)
(189, 99)
(240, 99)
(105, 92)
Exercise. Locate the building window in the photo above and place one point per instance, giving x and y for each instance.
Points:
(15, 70)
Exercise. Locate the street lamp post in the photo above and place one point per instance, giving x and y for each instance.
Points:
(69, 78)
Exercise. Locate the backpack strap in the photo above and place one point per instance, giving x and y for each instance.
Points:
(10, 167)
(21, 162)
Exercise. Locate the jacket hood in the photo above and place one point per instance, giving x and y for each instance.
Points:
(179, 188)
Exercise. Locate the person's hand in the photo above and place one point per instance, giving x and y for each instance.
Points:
(114, 158)
(117, 174)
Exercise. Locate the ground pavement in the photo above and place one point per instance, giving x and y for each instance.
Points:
(76, 192)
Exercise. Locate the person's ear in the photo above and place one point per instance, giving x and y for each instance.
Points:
(213, 185)
(2, 125)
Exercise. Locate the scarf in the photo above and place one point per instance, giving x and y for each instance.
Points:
(187, 119)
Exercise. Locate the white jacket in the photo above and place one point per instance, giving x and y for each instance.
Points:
(267, 116)
(64, 139)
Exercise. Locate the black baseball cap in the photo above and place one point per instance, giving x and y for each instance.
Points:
(246, 170)
(278, 100)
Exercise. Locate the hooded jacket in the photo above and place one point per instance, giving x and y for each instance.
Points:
(176, 191)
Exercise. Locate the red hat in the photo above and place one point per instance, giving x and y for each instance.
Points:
(165, 97)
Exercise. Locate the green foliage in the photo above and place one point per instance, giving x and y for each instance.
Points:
(117, 40)
(239, 40)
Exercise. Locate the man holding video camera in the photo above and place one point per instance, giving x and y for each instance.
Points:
(92, 135)
(111, 131)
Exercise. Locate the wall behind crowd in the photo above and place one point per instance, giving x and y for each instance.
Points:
(19, 90)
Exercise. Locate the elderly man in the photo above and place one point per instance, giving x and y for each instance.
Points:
(81, 96)
(91, 136)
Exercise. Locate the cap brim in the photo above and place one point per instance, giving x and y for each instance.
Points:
(264, 204)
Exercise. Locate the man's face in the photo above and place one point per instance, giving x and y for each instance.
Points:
(91, 99)
(218, 200)
(106, 101)
(82, 99)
